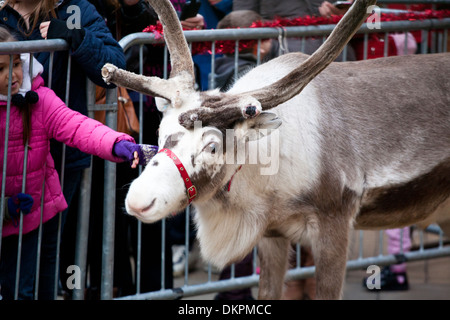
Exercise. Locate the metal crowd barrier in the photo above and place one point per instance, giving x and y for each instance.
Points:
(438, 42)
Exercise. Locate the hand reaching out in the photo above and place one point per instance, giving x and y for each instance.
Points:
(134, 153)
(197, 22)
(327, 9)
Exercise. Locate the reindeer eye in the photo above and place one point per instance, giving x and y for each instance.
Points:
(211, 148)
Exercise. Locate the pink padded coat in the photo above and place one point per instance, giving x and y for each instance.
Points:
(50, 119)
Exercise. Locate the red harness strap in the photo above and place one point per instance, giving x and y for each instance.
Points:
(190, 188)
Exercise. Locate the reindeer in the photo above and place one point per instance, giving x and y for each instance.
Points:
(361, 145)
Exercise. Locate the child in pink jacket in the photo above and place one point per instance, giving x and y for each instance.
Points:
(37, 115)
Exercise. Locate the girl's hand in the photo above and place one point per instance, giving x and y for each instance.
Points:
(136, 154)
(135, 161)
(128, 151)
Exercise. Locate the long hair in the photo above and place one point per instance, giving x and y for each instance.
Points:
(44, 10)
(25, 109)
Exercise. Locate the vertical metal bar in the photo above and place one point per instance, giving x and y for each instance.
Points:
(109, 205)
(258, 55)
(433, 41)
(165, 64)
(163, 251)
(5, 151)
(232, 271)
(421, 240)
(63, 164)
(255, 259)
(141, 138)
(344, 53)
(39, 242)
(81, 245)
(212, 83)
(24, 181)
(298, 255)
(386, 44)
(424, 42)
(82, 228)
(19, 244)
(361, 236)
(440, 42)
(366, 45)
(50, 69)
(405, 46)
(163, 221)
(186, 242)
(236, 59)
(444, 47)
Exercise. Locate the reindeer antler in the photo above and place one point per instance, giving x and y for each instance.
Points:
(182, 76)
(290, 85)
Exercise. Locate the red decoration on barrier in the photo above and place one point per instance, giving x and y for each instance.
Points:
(228, 46)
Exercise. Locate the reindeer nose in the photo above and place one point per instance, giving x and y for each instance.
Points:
(140, 210)
(250, 111)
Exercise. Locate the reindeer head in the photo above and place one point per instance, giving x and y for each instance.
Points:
(194, 162)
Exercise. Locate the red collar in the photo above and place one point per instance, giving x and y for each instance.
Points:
(190, 188)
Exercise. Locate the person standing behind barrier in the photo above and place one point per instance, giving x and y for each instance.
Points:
(36, 116)
(91, 45)
(272, 9)
(212, 11)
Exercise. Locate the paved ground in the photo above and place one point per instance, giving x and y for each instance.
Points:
(429, 279)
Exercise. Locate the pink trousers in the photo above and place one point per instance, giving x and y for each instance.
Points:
(398, 239)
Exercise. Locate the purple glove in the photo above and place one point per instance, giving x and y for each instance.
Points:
(125, 150)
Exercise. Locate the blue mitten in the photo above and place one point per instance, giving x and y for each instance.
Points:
(20, 202)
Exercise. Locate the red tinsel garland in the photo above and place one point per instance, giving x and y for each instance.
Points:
(228, 47)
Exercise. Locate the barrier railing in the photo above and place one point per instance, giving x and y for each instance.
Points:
(438, 44)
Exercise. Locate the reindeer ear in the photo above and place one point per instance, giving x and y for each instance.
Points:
(162, 104)
(258, 127)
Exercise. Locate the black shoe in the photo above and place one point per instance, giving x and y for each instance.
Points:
(390, 281)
